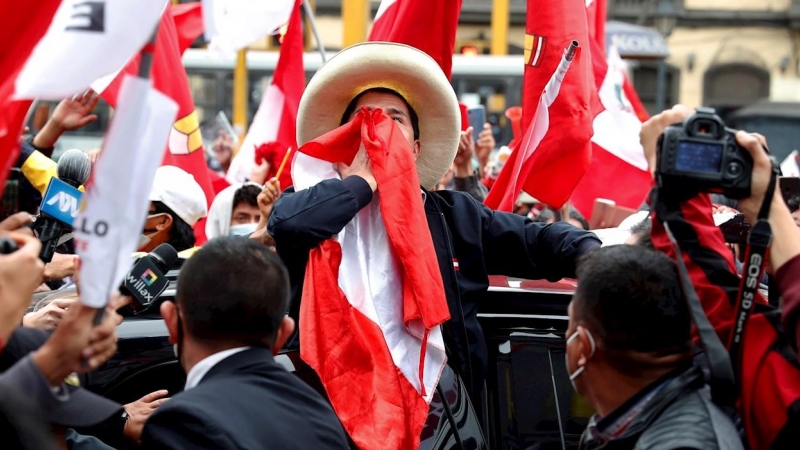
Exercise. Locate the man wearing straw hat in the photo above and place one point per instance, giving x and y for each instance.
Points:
(470, 241)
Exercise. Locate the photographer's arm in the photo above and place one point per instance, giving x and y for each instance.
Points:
(785, 250)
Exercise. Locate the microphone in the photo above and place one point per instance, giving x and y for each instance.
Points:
(147, 280)
(61, 201)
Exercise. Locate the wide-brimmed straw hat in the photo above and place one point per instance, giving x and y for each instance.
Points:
(409, 72)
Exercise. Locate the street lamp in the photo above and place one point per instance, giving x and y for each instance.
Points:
(665, 18)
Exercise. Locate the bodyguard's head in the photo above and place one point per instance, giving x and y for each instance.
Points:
(233, 292)
(628, 317)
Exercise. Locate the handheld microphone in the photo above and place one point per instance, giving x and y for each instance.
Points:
(61, 201)
(147, 280)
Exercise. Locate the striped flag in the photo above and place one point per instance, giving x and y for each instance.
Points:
(373, 298)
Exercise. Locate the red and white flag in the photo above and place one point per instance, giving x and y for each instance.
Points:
(429, 26)
(619, 169)
(185, 146)
(56, 48)
(114, 208)
(373, 298)
(273, 126)
(557, 150)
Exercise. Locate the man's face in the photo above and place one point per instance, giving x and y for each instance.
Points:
(245, 213)
(394, 107)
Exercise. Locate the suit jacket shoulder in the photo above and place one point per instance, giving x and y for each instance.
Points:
(247, 401)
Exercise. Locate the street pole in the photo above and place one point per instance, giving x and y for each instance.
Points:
(355, 14)
(661, 85)
(500, 18)
(240, 93)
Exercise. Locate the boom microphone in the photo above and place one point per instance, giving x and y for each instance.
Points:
(147, 279)
(61, 200)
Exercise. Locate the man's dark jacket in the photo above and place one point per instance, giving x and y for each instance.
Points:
(679, 416)
(246, 401)
(483, 242)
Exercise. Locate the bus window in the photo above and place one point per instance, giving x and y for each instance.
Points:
(204, 91)
(492, 93)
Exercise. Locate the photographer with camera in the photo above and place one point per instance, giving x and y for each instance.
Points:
(758, 372)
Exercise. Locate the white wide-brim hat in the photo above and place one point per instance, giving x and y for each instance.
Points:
(409, 72)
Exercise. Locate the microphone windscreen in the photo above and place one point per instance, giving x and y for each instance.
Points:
(165, 254)
(74, 167)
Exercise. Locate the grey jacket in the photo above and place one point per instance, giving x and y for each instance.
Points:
(680, 415)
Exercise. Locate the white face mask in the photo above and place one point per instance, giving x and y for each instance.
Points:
(144, 240)
(243, 229)
(573, 376)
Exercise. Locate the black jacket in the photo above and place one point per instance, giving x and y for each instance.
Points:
(246, 401)
(679, 416)
(483, 242)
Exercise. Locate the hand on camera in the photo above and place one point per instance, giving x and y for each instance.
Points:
(654, 127)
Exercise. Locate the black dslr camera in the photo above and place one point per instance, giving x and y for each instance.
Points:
(701, 155)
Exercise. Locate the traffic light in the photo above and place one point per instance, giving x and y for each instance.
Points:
(470, 50)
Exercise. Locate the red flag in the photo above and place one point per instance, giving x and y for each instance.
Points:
(188, 23)
(22, 25)
(274, 131)
(562, 157)
(185, 147)
(426, 25)
(378, 351)
(618, 170)
(596, 12)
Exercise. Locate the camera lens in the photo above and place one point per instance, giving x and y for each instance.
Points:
(735, 168)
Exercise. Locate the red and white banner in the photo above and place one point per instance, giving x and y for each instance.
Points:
(429, 26)
(114, 208)
(373, 298)
(274, 125)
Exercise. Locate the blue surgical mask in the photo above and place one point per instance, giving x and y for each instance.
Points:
(243, 229)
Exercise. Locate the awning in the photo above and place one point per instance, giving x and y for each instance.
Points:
(636, 42)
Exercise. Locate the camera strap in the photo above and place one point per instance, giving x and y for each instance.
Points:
(758, 243)
(721, 376)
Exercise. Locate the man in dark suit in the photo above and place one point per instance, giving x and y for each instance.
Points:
(229, 321)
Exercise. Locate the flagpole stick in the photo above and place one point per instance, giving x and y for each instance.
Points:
(310, 15)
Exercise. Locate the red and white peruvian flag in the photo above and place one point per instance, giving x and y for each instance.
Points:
(512, 178)
(429, 26)
(619, 169)
(273, 126)
(557, 109)
(373, 299)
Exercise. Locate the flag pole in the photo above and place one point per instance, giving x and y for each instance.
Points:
(310, 16)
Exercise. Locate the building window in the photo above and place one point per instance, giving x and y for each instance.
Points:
(645, 81)
(727, 87)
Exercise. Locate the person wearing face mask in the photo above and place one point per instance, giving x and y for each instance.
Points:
(177, 202)
(234, 211)
(629, 354)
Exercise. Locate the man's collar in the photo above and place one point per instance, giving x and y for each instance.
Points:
(200, 369)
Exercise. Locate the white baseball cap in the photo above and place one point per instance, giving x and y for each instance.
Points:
(180, 192)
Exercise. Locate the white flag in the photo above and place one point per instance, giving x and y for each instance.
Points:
(789, 166)
(108, 228)
(85, 41)
(231, 25)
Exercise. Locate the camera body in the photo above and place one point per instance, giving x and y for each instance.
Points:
(701, 155)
